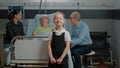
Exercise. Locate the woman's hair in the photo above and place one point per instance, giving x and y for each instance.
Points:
(13, 13)
(75, 15)
(58, 12)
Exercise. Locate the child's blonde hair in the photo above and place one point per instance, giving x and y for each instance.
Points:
(58, 12)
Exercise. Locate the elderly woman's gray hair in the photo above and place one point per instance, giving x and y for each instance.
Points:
(75, 15)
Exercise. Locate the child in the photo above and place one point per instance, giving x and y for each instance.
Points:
(59, 44)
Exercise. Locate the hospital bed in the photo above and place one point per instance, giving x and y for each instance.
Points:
(32, 52)
(29, 53)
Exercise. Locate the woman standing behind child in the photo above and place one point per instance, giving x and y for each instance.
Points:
(59, 44)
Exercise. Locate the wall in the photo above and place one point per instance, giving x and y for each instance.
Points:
(116, 33)
(116, 41)
(116, 4)
(59, 4)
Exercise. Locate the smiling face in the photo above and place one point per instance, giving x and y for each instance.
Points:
(59, 19)
(44, 21)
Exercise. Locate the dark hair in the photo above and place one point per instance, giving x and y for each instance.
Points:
(13, 13)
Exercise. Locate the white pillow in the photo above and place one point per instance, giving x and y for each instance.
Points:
(50, 19)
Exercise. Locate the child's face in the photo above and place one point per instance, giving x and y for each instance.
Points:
(44, 21)
(59, 20)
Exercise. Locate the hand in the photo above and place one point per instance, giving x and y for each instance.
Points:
(17, 39)
(52, 60)
(59, 61)
(20, 39)
(23, 38)
(37, 35)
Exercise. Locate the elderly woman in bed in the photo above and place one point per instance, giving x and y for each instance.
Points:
(44, 29)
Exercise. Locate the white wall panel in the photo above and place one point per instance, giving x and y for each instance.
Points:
(59, 4)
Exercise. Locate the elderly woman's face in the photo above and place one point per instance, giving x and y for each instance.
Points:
(44, 21)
